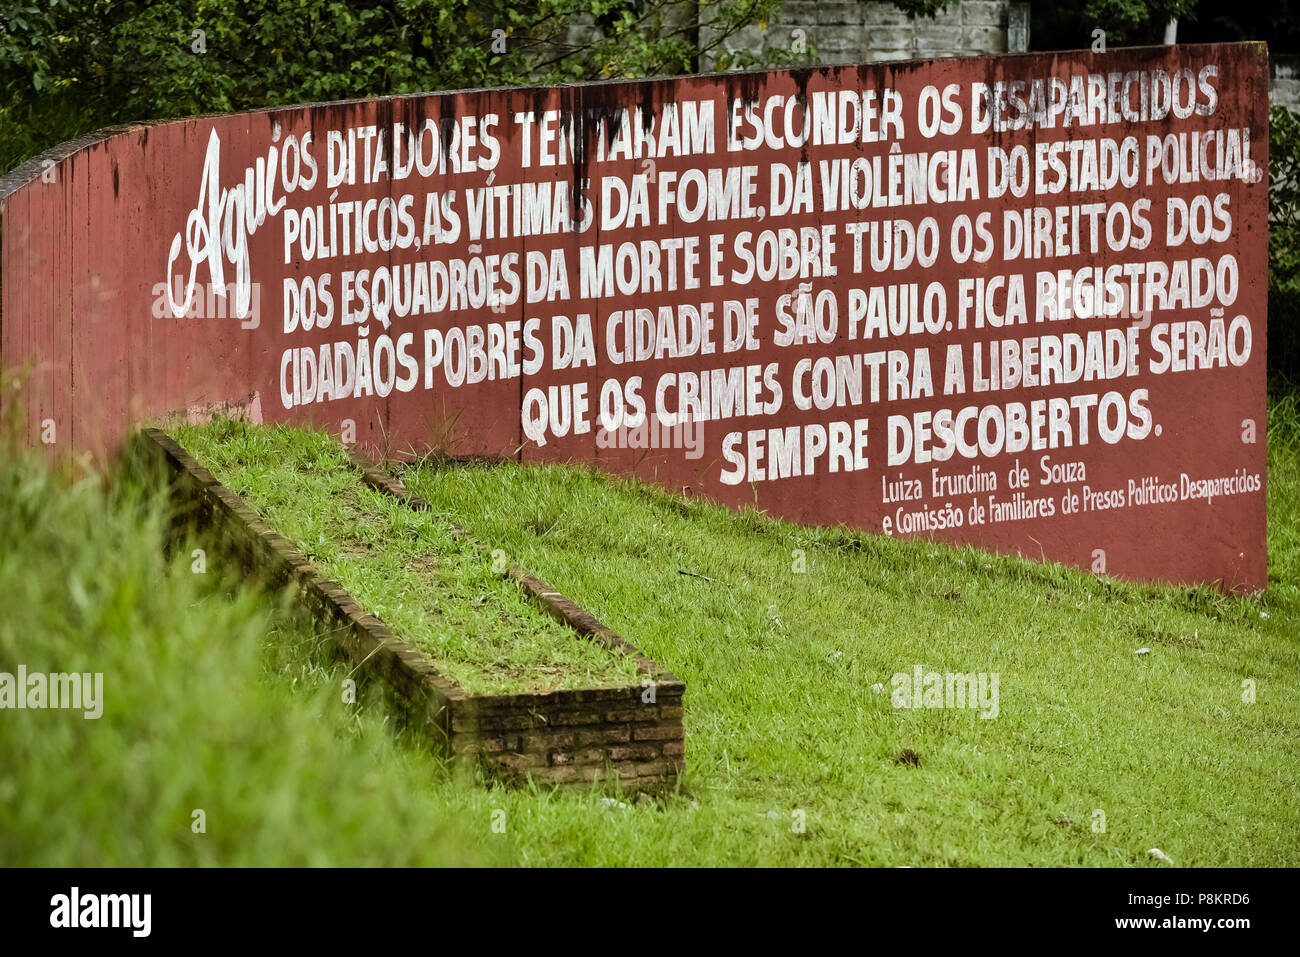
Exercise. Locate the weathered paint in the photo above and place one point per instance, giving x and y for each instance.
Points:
(80, 258)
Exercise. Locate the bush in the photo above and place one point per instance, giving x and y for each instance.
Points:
(1284, 245)
(71, 66)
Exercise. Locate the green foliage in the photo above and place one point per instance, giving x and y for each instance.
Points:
(1284, 244)
(70, 66)
(1129, 21)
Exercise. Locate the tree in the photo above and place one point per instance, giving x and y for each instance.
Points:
(1284, 244)
(1129, 20)
(70, 66)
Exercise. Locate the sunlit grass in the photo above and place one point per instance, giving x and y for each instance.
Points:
(435, 590)
(781, 715)
(215, 701)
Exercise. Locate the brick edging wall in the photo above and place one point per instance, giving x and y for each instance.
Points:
(639, 733)
(632, 733)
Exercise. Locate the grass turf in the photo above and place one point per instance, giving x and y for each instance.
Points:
(1159, 747)
(214, 700)
(435, 590)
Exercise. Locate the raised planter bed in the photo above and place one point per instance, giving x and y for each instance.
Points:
(631, 732)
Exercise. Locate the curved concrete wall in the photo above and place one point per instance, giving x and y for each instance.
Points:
(230, 211)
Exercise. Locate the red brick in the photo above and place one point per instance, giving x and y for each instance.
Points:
(609, 772)
(576, 717)
(467, 744)
(661, 768)
(663, 732)
(492, 722)
(512, 759)
(630, 715)
(634, 752)
(556, 775)
(603, 736)
(544, 740)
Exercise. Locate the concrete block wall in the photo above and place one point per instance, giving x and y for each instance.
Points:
(851, 31)
(1286, 82)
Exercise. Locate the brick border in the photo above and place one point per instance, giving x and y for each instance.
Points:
(633, 734)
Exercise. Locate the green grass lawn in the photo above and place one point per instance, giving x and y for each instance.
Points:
(213, 701)
(781, 715)
(218, 700)
(435, 590)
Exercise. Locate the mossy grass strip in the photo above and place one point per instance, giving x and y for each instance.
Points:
(555, 604)
(435, 588)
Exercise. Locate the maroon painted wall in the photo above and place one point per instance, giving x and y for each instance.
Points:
(1167, 483)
